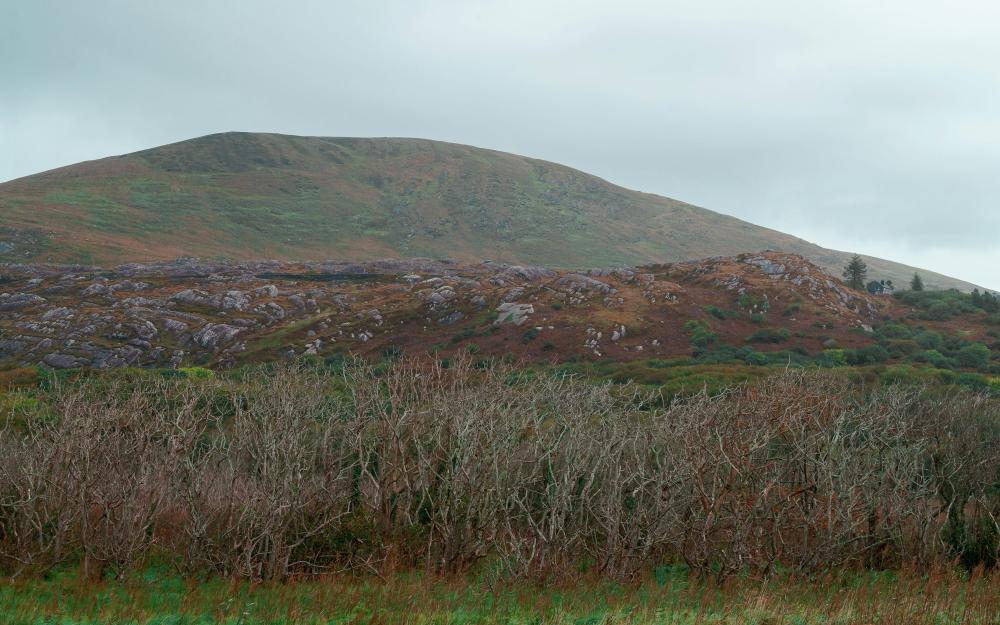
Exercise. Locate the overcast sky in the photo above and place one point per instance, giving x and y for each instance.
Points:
(864, 126)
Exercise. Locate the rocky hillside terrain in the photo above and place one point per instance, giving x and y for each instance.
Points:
(180, 313)
(242, 196)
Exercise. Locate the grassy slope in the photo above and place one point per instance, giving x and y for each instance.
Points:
(243, 195)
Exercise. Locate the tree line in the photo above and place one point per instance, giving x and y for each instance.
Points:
(856, 273)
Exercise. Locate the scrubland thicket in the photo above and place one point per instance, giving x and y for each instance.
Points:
(291, 471)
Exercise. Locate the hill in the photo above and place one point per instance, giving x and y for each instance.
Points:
(243, 195)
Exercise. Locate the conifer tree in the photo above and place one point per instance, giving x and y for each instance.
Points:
(855, 273)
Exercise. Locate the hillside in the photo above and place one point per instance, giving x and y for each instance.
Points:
(755, 309)
(242, 195)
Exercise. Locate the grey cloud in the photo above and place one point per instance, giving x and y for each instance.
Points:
(868, 126)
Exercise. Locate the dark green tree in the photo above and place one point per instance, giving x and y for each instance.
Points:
(855, 273)
(977, 298)
(917, 283)
(990, 302)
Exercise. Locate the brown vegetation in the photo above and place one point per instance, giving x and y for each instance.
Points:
(418, 465)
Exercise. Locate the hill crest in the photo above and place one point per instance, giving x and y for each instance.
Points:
(247, 195)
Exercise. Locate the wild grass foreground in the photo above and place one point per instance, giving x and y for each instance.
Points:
(666, 595)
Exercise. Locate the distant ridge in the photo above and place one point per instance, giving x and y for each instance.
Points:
(250, 196)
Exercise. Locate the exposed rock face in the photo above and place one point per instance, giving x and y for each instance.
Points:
(234, 300)
(57, 314)
(18, 301)
(61, 361)
(516, 314)
(530, 274)
(167, 314)
(625, 274)
(174, 327)
(274, 311)
(513, 295)
(578, 282)
(195, 297)
(145, 330)
(439, 297)
(214, 335)
(98, 288)
(133, 302)
(768, 266)
(751, 273)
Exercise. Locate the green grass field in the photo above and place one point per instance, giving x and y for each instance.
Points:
(667, 596)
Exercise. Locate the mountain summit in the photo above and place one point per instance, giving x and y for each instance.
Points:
(247, 195)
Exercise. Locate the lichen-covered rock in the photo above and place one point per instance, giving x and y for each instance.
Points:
(58, 314)
(234, 300)
(513, 295)
(128, 285)
(98, 288)
(174, 327)
(145, 330)
(530, 274)
(214, 335)
(274, 311)
(768, 266)
(138, 302)
(509, 312)
(61, 361)
(195, 297)
(576, 282)
(17, 301)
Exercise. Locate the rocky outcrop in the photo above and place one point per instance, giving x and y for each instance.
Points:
(234, 300)
(58, 314)
(61, 361)
(215, 335)
(17, 301)
(575, 283)
(195, 297)
(512, 313)
(166, 314)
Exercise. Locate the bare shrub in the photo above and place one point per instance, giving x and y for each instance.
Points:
(292, 471)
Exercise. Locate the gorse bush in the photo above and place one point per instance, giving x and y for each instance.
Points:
(938, 305)
(701, 334)
(295, 471)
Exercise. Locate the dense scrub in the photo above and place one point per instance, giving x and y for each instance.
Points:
(273, 473)
(943, 305)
